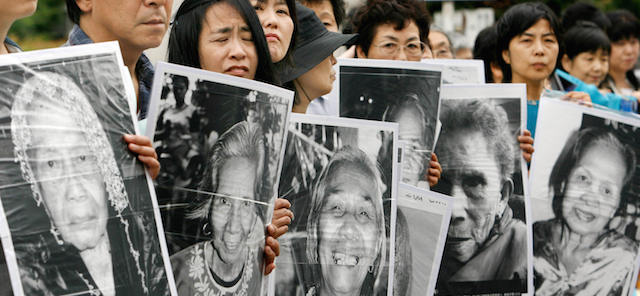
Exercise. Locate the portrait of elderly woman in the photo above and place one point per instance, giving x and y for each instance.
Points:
(232, 210)
(345, 230)
(78, 227)
(579, 251)
(486, 245)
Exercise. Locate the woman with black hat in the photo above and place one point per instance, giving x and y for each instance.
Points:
(312, 74)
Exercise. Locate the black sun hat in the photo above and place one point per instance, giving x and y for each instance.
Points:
(314, 44)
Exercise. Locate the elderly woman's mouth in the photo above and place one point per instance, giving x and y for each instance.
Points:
(584, 216)
(345, 259)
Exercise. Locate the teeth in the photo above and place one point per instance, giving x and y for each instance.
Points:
(582, 215)
(344, 259)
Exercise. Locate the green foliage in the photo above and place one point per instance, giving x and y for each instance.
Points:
(49, 22)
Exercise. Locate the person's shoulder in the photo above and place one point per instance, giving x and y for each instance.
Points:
(614, 239)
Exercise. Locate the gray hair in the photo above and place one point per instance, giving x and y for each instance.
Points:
(353, 158)
(484, 116)
(241, 141)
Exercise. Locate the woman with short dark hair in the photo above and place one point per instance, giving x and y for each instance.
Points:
(625, 49)
(528, 49)
(586, 54)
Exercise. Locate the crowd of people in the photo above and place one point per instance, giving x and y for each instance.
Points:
(292, 44)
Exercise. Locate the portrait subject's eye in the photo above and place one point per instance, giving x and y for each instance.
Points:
(365, 214)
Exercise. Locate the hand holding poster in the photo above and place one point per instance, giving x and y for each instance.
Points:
(488, 242)
(342, 193)
(221, 142)
(585, 203)
(77, 213)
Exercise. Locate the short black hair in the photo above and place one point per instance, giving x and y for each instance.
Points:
(582, 11)
(395, 12)
(624, 25)
(484, 49)
(516, 20)
(585, 37)
(187, 26)
(73, 11)
(337, 6)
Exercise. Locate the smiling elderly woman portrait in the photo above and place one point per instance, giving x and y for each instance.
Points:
(345, 230)
(578, 252)
(232, 213)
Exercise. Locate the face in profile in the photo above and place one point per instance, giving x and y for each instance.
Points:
(277, 25)
(476, 184)
(68, 176)
(233, 210)
(348, 231)
(226, 44)
(593, 189)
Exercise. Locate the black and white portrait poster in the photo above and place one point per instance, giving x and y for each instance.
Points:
(220, 141)
(422, 222)
(78, 212)
(585, 200)
(340, 179)
(456, 71)
(488, 246)
(395, 91)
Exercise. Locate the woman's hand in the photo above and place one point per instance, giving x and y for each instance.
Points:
(141, 145)
(271, 250)
(435, 170)
(579, 97)
(282, 217)
(526, 145)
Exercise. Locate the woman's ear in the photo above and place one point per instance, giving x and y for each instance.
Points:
(567, 63)
(506, 56)
(85, 5)
(360, 52)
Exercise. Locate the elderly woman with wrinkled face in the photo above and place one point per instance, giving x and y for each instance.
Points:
(68, 161)
(231, 208)
(345, 230)
(580, 251)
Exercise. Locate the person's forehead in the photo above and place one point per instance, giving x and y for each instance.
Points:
(388, 31)
(223, 14)
(438, 39)
(469, 147)
(599, 158)
(350, 179)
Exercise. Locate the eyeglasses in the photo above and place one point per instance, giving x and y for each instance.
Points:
(411, 49)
